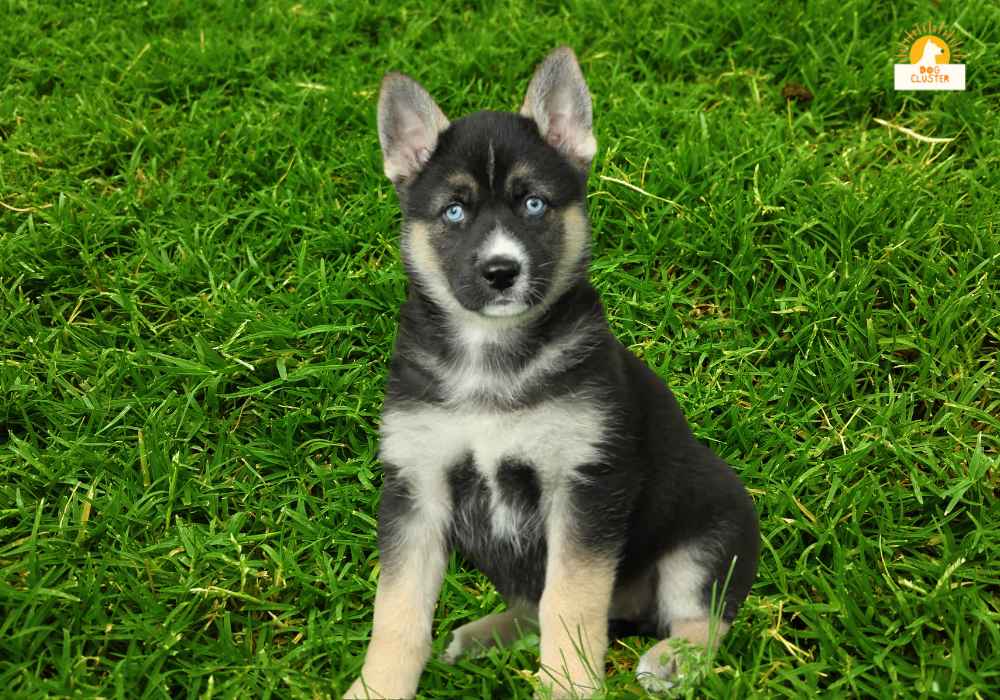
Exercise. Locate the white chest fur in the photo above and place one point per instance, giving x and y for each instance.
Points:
(424, 442)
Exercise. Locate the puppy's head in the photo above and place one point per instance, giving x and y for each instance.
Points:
(495, 220)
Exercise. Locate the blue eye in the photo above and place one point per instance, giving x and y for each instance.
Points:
(455, 213)
(535, 206)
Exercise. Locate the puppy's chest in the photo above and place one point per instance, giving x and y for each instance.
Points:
(552, 438)
(493, 478)
(517, 456)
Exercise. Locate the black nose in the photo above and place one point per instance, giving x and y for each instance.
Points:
(500, 272)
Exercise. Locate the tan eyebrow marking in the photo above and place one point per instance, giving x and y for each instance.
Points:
(462, 179)
(524, 172)
(519, 171)
(460, 183)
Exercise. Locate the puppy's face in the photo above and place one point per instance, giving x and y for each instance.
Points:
(492, 212)
(494, 203)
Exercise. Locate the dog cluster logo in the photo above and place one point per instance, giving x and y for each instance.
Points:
(925, 56)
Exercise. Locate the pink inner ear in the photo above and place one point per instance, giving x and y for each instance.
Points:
(556, 134)
(570, 138)
(413, 152)
(415, 138)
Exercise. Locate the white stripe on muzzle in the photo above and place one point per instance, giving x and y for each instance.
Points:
(501, 244)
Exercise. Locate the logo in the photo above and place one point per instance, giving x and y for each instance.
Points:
(925, 56)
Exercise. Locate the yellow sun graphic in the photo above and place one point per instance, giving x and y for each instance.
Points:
(929, 43)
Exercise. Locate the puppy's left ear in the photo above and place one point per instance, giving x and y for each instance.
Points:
(409, 122)
(559, 103)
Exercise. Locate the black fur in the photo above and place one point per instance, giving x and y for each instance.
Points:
(464, 148)
(658, 488)
(518, 573)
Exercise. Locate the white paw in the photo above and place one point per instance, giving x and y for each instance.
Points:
(668, 664)
(464, 644)
(656, 670)
(456, 648)
(357, 691)
(652, 683)
(656, 663)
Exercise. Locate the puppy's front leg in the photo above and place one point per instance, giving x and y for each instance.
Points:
(573, 612)
(413, 555)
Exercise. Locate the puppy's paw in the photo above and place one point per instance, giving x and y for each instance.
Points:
(453, 653)
(357, 691)
(667, 663)
(459, 646)
(656, 669)
(478, 637)
(652, 683)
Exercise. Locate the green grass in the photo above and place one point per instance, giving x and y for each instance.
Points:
(198, 285)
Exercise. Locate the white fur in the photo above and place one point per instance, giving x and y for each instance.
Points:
(504, 309)
(561, 433)
(502, 244)
(491, 162)
(655, 669)
(679, 592)
(470, 378)
(510, 302)
(557, 436)
(511, 522)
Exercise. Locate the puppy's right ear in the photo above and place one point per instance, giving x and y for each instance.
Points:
(408, 126)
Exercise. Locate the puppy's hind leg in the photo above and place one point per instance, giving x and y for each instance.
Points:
(683, 608)
(660, 664)
(500, 628)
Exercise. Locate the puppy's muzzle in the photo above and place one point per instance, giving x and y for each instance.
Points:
(500, 272)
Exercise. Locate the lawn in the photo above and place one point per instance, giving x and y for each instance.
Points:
(198, 288)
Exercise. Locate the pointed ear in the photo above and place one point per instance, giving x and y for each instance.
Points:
(408, 126)
(559, 103)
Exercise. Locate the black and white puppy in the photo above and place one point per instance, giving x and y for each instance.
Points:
(517, 429)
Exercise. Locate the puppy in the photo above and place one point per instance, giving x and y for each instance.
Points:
(517, 429)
